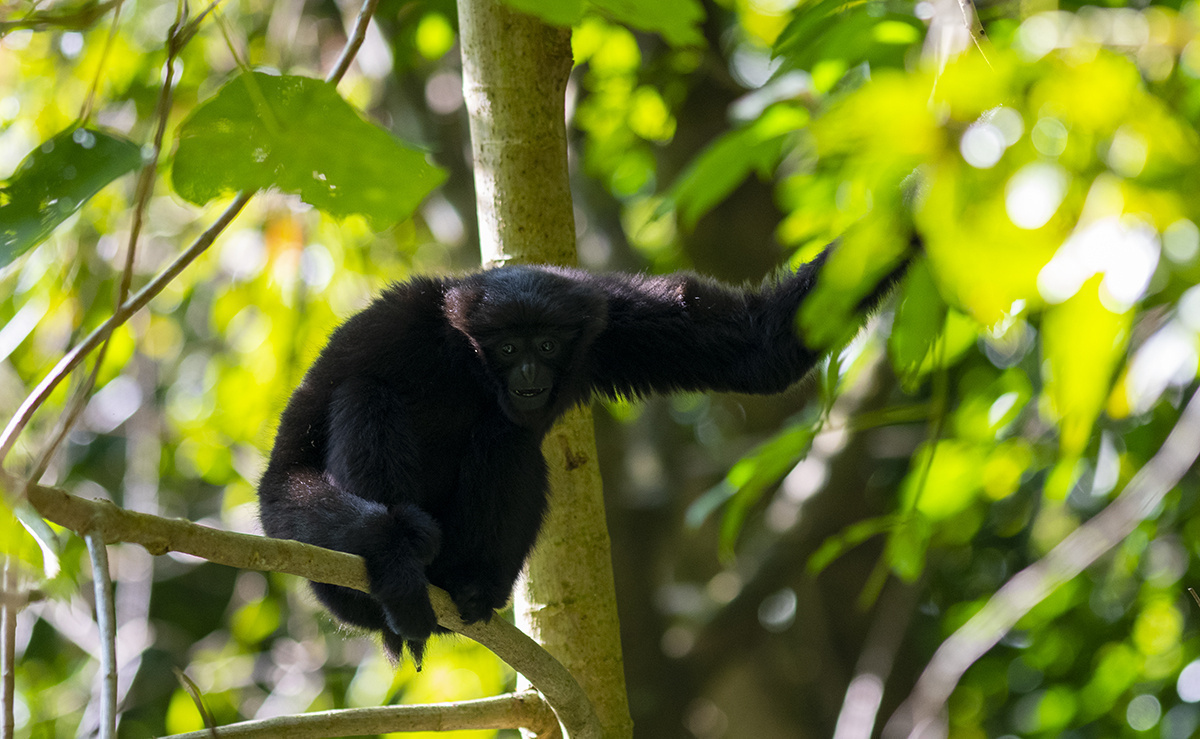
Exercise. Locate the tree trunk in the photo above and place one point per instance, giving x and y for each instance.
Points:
(515, 73)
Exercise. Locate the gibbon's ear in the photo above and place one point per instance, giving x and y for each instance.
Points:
(460, 304)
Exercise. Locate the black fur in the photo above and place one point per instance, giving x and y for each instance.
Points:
(414, 440)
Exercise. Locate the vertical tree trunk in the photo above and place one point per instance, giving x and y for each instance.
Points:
(515, 73)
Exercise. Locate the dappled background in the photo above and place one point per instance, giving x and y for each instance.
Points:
(780, 561)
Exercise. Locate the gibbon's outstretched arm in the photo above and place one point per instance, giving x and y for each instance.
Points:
(685, 332)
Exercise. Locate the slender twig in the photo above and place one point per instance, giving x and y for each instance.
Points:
(514, 710)
(106, 620)
(145, 185)
(921, 711)
(86, 111)
(354, 42)
(162, 535)
(101, 332)
(864, 694)
(8, 648)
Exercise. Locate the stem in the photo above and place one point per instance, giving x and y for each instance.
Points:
(8, 648)
(106, 620)
(103, 331)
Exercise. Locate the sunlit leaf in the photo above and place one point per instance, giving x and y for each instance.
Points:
(725, 163)
(981, 260)
(15, 540)
(746, 482)
(752, 475)
(554, 12)
(944, 478)
(677, 21)
(853, 535)
(984, 412)
(920, 317)
(907, 545)
(297, 134)
(849, 32)
(866, 254)
(55, 180)
(1082, 344)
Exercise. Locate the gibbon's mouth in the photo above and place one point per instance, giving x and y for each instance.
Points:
(532, 392)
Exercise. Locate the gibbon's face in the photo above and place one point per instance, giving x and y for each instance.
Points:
(528, 366)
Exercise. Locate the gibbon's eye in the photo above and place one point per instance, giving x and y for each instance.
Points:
(548, 346)
(508, 349)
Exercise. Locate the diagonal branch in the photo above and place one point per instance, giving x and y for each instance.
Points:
(525, 710)
(921, 711)
(160, 535)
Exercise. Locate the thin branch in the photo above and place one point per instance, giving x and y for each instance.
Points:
(860, 708)
(354, 42)
(922, 710)
(72, 358)
(85, 112)
(160, 535)
(8, 648)
(525, 710)
(106, 621)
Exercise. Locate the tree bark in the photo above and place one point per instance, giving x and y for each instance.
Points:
(515, 73)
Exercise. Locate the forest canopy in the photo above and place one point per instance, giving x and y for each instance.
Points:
(999, 465)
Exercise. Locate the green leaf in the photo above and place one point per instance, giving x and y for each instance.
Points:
(677, 21)
(554, 12)
(297, 134)
(848, 538)
(836, 30)
(907, 545)
(749, 479)
(729, 160)
(944, 478)
(1082, 344)
(867, 252)
(920, 317)
(55, 180)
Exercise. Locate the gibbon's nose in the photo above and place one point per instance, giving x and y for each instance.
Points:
(529, 372)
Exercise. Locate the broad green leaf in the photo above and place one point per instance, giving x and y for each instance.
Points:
(746, 482)
(984, 263)
(1083, 342)
(729, 160)
(834, 29)
(920, 317)
(677, 21)
(986, 411)
(907, 545)
(554, 12)
(946, 483)
(850, 537)
(752, 475)
(863, 258)
(297, 134)
(55, 180)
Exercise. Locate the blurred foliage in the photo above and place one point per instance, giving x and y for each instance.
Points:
(1043, 185)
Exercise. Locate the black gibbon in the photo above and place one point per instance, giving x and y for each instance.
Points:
(414, 440)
